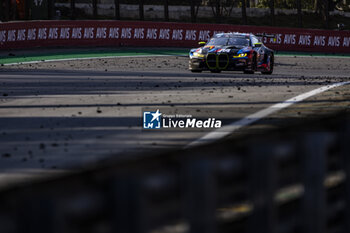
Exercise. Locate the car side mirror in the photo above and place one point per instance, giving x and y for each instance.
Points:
(257, 44)
(202, 43)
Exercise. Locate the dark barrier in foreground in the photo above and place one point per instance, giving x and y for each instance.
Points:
(285, 181)
(128, 33)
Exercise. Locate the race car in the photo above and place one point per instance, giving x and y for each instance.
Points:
(233, 51)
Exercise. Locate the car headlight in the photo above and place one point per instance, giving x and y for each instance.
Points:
(195, 54)
(240, 55)
(198, 53)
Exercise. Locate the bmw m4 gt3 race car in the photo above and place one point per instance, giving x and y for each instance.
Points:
(232, 51)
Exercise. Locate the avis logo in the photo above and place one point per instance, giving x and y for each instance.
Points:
(152, 120)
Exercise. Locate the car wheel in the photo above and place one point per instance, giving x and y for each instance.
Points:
(270, 66)
(196, 71)
(252, 66)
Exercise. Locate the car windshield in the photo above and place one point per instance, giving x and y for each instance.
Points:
(240, 41)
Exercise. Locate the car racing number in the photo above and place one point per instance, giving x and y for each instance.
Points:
(224, 51)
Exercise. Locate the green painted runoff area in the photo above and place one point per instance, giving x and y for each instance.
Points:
(19, 56)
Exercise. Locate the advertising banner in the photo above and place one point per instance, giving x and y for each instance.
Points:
(31, 34)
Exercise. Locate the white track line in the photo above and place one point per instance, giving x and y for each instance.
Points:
(248, 120)
(81, 58)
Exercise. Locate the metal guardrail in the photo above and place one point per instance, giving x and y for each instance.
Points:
(285, 181)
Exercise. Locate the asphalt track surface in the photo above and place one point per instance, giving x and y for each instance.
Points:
(58, 116)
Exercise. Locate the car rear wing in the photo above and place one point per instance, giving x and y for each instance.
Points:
(262, 35)
(265, 35)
